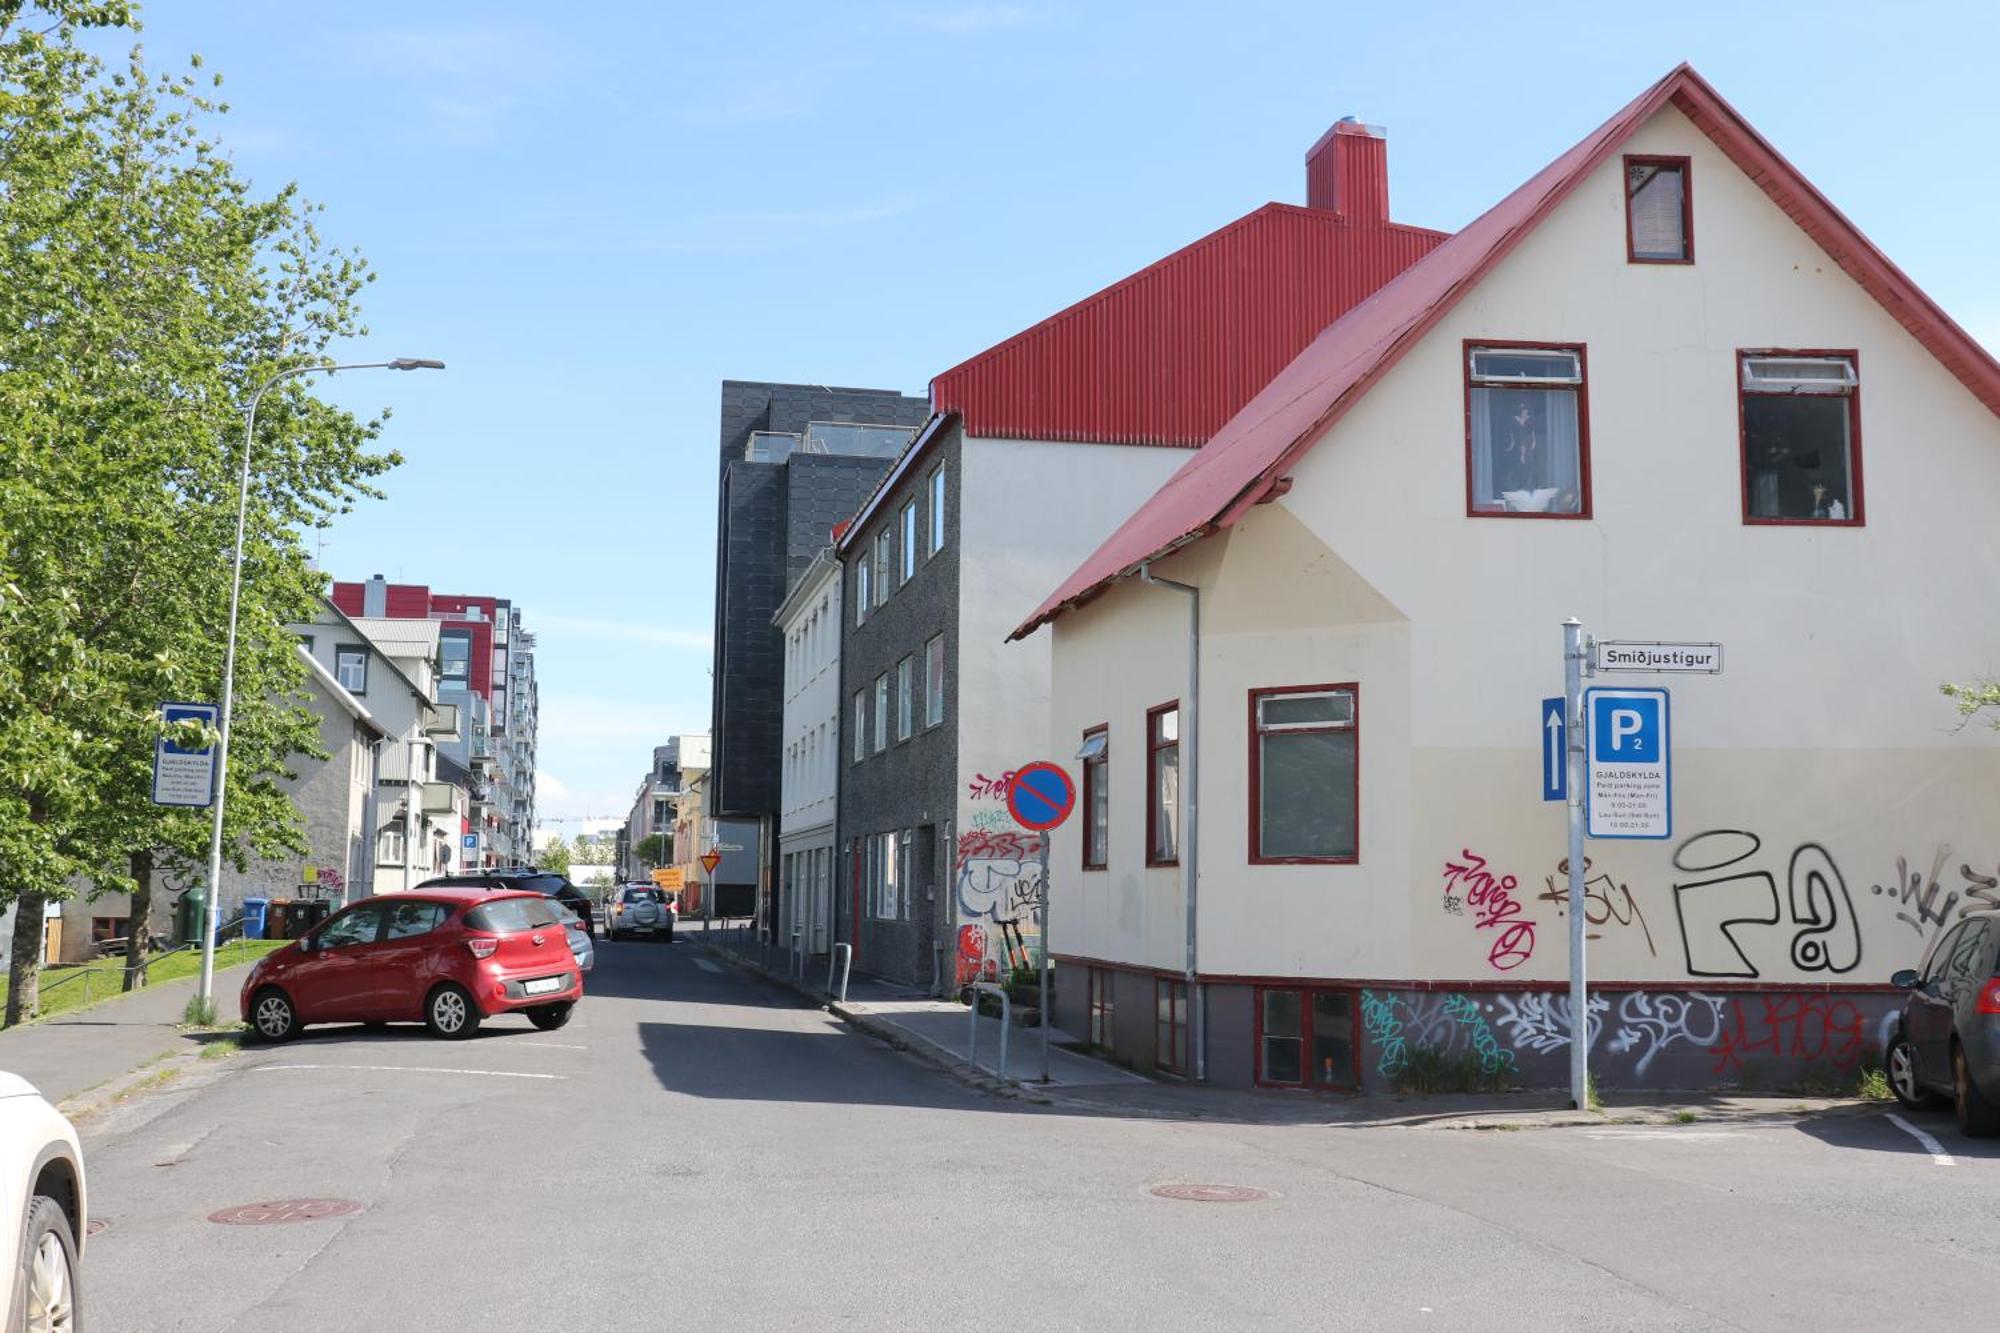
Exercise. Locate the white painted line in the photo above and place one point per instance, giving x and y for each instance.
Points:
(546, 1045)
(419, 1069)
(1666, 1135)
(1939, 1156)
(707, 966)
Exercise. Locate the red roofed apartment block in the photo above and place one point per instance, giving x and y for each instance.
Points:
(1667, 388)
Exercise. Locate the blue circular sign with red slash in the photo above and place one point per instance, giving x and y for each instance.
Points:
(1041, 796)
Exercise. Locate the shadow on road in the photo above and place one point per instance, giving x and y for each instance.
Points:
(1876, 1133)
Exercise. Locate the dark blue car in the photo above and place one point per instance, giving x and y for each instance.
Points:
(1947, 1044)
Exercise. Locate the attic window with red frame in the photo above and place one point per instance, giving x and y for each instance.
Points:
(1659, 211)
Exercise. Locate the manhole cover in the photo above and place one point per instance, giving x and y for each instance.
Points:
(94, 1225)
(1211, 1193)
(283, 1210)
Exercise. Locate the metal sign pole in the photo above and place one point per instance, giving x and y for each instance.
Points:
(1579, 1012)
(1045, 955)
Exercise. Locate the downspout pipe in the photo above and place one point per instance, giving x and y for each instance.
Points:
(1191, 785)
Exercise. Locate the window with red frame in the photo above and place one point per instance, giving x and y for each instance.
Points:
(1527, 431)
(1305, 796)
(1170, 1048)
(1163, 785)
(1305, 1037)
(1801, 414)
(1103, 1008)
(1095, 755)
(1659, 211)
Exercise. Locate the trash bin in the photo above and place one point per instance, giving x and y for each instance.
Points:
(278, 923)
(309, 913)
(253, 917)
(187, 916)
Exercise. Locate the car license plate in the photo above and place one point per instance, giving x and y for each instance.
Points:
(541, 985)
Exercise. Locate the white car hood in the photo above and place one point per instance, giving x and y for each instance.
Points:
(13, 1085)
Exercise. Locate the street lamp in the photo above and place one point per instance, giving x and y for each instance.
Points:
(212, 909)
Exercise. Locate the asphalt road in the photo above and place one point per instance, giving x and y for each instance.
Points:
(698, 1151)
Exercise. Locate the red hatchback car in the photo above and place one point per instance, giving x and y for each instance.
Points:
(444, 957)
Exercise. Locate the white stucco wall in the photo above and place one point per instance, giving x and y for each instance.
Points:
(1825, 737)
(812, 706)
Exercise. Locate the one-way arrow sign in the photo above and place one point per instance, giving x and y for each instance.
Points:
(1555, 750)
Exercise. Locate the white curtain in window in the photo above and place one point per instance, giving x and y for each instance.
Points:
(1525, 454)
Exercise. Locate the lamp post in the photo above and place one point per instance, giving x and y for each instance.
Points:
(212, 909)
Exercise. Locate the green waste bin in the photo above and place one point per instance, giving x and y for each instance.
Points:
(187, 916)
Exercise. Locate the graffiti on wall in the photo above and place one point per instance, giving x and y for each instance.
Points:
(1932, 902)
(1470, 885)
(997, 877)
(991, 821)
(1729, 907)
(1605, 902)
(1721, 1036)
(983, 788)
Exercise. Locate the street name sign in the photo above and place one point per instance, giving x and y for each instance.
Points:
(1628, 787)
(1555, 750)
(1657, 659)
(180, 776)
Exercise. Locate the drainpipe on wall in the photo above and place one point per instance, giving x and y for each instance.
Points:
(1190, 878)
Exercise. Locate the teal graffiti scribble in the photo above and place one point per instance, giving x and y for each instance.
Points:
(1464, 1010)
(1385, 1029)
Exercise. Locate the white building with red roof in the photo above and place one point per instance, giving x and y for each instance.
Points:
(1667, 388)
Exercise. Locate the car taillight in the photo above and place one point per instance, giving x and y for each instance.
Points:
(1989, 997)
(482, 947)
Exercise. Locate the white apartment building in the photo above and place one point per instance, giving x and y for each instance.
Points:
(809, 619)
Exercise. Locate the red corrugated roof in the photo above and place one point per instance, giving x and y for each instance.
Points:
(1246, 459)
(1167, 355)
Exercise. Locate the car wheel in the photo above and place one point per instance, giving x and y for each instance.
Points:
(551, 1016)
(272, 1015)
(1977, 1117)
(45, 1288)
(450, 1013)
(1901, 1059)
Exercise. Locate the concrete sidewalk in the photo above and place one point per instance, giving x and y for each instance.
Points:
(79, 1050)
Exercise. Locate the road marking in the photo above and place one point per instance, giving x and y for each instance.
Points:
(546, 1045)
(1664, 1135)
(1939, 1156)
(420, 1069)
(707, 966)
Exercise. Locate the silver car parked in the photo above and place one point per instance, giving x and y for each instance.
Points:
(642, 909)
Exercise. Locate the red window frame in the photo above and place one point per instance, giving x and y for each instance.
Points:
(1686, 166)
(1170, 1037)
(1857, 519)
(1103, 1009)
(1090, 767)
(1305, 1038)
(1256, 843)
(1582, 421)
(1153, 747)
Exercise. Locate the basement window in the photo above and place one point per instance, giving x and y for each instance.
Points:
(1801, 415)
(1527, 431)
(1659, 212)
(1306, 1038)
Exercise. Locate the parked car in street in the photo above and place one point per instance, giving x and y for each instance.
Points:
(448, 957)
(545, 882)
(1946, 1045)
(580, 943)
(42, 1233)
(642, 909)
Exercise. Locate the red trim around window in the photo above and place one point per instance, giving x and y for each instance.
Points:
(1152, 784)
(1305, 1038)
(1860, 515)
(1582, 423)
(1687, 205)
(1165, 1059)
(1256, 843)
(1090, 801)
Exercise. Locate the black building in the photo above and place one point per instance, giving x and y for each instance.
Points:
(794, 460)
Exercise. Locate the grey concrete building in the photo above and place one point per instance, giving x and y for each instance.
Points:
(794, 460)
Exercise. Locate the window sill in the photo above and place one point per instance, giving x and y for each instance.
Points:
(1151, 864)
(1686, 262)
(1354, 860)
(1097, 870)
(1476, 512)
(1859, 521)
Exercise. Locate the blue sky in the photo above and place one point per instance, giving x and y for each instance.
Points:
(597, 212)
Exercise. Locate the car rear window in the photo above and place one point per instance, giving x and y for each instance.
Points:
(642, 895)
(508, 915)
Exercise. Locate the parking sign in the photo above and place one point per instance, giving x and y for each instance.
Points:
(1629, 787)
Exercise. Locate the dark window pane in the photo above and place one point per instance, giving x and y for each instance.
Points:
(1292, 710)
(359, 926)
(1796, 455)
(512, 914)
(407, 920)
(1306, 794)
(1333, 1038)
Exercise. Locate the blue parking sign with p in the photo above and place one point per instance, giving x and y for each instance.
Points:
(1625, 729)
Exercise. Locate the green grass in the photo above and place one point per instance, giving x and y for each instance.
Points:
(1873, 1085)
(221, 1050)
(104, 982)
(1685, 1117)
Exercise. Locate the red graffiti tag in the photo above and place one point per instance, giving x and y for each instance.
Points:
(1808, 1028)
(984, 788)
(981, 845)
(1494, 907)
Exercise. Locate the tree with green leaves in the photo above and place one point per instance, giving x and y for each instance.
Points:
(554, 856)
(656, 849)
(145, 289)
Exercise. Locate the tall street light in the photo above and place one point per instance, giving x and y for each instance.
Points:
(212, 909)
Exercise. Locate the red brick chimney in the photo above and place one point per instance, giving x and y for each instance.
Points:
(1347, 172)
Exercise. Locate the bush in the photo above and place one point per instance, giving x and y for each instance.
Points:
(1426, 1069)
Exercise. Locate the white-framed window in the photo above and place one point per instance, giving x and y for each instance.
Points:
(863, 597)
(885, 564)
(1528, 433)
(860, 725)
(389, 847)
(934, 681)
(887, 860)
(350, 668)
(909, 534)
(936, 488)
(881, 712)
(906, 684)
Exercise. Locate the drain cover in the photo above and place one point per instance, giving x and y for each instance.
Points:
(283, 1210)
(1211, 1193)
(94, 1225)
